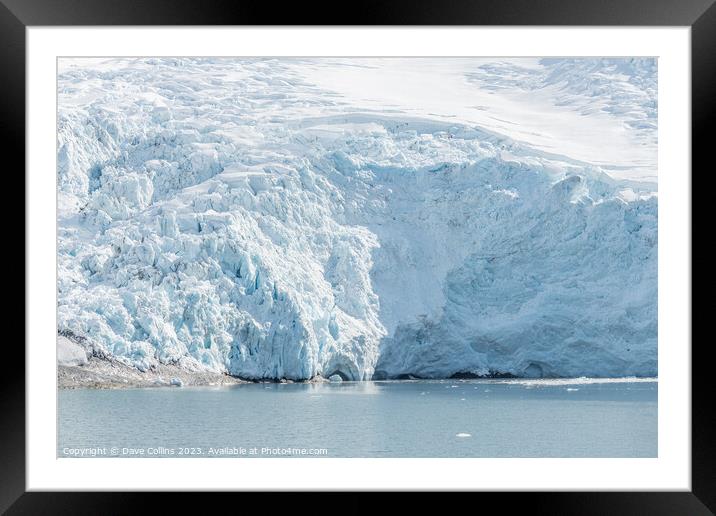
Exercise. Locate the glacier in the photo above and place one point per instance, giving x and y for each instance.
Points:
(279, 219)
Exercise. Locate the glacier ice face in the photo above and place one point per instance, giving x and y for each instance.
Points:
(229, 215)
(545, 297)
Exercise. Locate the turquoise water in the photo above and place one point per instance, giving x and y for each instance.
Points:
(448, 418)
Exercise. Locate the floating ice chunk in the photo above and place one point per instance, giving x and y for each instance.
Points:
(335, 378)
(176, 382)
(463, 434)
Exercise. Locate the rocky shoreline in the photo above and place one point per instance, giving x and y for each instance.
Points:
(102, 373)
(110, 374)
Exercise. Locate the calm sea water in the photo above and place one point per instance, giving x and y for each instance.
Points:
(450, 418)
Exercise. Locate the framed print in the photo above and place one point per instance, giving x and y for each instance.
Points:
(409, 251)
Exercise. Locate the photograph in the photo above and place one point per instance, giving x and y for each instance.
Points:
(357, 257)
(417, 250)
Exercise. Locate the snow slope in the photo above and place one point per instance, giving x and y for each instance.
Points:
(285, 218)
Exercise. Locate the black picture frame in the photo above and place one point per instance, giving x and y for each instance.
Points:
(700, 15)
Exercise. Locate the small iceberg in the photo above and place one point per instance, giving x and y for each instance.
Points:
(463, 434)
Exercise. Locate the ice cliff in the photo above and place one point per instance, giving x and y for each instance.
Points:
(231, 215)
